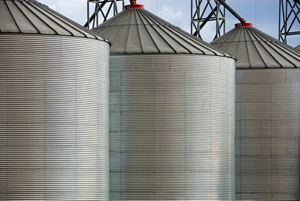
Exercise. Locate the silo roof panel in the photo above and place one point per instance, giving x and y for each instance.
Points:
(255, 49)
(252, 50)
(173, 43)
(113, 33)
(243, 54)
(148, 46)
(7, 23)
(269, 55)
(288, 57)
(32, 17)
(124, 30)
(298, 47)
(139, 31)
(135, 45)
(52, 23)
(24, 25)
(161, 44)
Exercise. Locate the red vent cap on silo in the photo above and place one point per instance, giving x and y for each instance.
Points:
(244, 24)
(133, 4)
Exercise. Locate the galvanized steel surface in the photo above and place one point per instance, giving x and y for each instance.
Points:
(30, 16)
(139, 31)
(255, 49)
(267, 134)
(267, 115)
(171, 127)
(53, 118)
(298, 47)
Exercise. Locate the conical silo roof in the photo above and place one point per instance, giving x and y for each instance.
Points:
(136, 30)
(298, 47)
(255, 49)
(32, 17)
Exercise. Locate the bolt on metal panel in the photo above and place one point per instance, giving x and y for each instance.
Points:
(172, 127)
(53, 118)
(267, 140)
(54, 94)
(267, 114)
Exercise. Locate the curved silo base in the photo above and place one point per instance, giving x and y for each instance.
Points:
(171, 127)
(267, 134)
(53, 118)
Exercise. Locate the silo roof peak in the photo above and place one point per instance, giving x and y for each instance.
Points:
(139, 31)
(244, 24)
(255, 49)
(33, 17)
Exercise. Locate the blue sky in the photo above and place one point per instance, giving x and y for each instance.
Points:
(263, 13)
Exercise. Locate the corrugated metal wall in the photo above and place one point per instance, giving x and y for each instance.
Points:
(53, 118)
(172, 127)
(267, 134)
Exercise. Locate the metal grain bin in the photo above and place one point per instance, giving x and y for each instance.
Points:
(298, 47)
(267, 114)
(54, 94)
(171, 112)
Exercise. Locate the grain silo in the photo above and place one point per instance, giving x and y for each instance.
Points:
(54, 94)
(298, 47)
(267, 114)
(171, 112)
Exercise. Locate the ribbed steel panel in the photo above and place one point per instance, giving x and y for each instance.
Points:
(54, 100)
(138, 31)
(267, 115)
(171, 127)
(267, 134)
